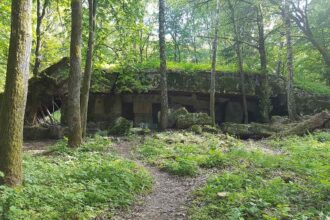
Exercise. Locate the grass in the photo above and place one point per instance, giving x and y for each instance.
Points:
(313, 87)
(309, 85)
(74, 184)
(293, 184)
(191, 67)
(183, 153)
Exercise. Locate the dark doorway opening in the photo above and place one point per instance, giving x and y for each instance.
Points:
(220, 112)
(252, 116)
(156, 107)
(190, 108)
(127, 111)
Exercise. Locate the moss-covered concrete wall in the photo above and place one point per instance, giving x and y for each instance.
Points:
(188, 89)
(199, 81)
(143, 108)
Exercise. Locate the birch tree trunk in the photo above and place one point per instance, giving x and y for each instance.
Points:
(163, 67)
(214, 62)
(74, 119)
(88, 67)
(14, 99)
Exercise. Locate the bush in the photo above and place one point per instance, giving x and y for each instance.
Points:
(211, 129)
(197, 129)
(174, 114)
(120, 127)
(188, 120)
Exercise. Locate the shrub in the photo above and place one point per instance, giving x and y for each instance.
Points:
(120, 127)
(210, 129)
(197, 129)
(187, 120)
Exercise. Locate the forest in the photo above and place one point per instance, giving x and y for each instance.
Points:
(165, 109)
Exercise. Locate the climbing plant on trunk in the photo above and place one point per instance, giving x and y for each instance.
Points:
(74, 119)
(163, 68)
(214, 62)
(14, 99)
(88, 67)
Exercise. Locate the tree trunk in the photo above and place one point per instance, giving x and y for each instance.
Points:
(175, 48)
(282, 129)
(194, 39)
(290, 89)
(317, 121)
(163, 68)
(214, 62)
(41, 12)
(14, 99)
(74, 118)
(265, 104)
(279, 64)
(88, 67)
(239, 61)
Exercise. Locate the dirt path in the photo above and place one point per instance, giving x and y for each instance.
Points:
(171, 195)
(37, 147)
(261, 145)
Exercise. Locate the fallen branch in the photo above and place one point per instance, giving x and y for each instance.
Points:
(282, 129)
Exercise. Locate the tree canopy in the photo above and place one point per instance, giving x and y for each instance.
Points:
(126, 36)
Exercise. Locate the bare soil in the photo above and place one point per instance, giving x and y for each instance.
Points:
(37, 147)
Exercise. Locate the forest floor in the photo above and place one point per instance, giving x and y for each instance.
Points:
(184, 175)
(38, 147)
(171, 195)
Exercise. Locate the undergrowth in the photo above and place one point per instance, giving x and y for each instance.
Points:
(74, 184)
(290, 183)
(183, 153)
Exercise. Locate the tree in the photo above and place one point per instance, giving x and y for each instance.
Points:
(290, 90)
(163, 68)
(239, 59)
(41, 12)
(74, 118)
(88, 67)
(265, 104)
(214, 62)
(14, 101)
(300, 17)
